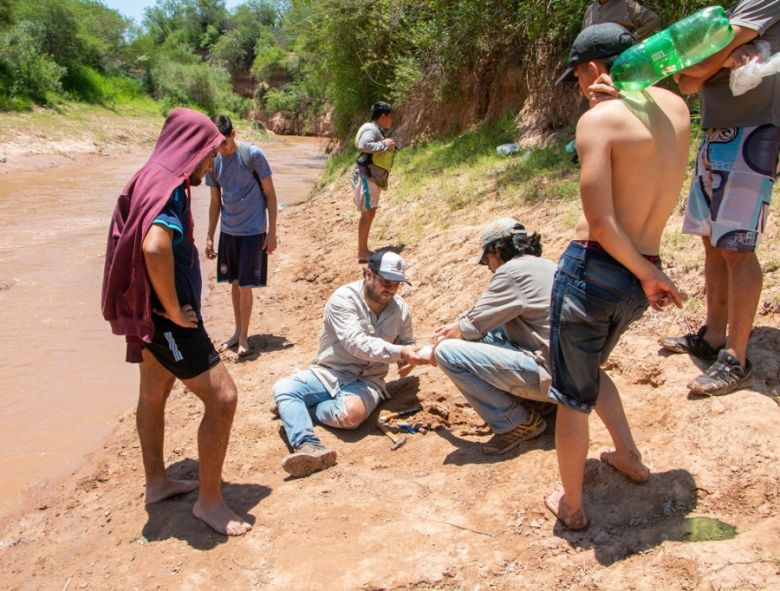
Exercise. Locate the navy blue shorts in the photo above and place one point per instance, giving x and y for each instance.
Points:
(242, 259)
(594, 300)
(185, 352)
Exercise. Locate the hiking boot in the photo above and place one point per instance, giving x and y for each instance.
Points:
(308, 458)
(502, 443)
(722, 377)
(693, 344)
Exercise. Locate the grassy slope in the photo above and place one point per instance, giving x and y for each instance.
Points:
(133, 122)
(461, 181)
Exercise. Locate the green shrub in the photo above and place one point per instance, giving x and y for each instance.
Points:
(85, 84)
(28, 74)
(196, 84)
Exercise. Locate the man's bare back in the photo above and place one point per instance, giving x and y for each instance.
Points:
(635, 150)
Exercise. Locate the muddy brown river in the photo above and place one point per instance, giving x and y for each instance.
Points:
(64, 380)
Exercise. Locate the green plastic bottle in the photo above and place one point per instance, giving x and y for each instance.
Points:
(682, 44)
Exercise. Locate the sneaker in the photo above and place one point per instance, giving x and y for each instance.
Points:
(308, 458)
(693, 344)
(502, 443)
(722, 377)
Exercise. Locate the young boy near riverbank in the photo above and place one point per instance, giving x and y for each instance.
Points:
(243, 199)
(151, 294)
(633, 152)
(369, 178)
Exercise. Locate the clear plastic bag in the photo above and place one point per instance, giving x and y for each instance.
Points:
(507, 149)
(749, 76)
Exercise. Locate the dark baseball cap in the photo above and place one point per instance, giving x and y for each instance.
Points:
(596, 42)
(501, 228)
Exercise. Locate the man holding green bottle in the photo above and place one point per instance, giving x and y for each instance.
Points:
(729, 201)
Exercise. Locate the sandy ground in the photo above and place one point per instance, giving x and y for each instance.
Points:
(435, 514)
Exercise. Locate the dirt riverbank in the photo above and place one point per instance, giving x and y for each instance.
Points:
(435, 514)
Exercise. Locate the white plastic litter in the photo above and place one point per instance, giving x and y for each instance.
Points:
(750, 75)
(507, 149)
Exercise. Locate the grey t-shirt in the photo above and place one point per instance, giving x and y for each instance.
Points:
(761, 105)
(355, 344)
(243, 203)
(518, 299)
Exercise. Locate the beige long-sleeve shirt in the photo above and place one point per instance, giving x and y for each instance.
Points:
(641, 21)
(355, 344)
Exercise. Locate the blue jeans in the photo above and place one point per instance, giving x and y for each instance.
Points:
(302, 397)
(493, 376)
(594, 300)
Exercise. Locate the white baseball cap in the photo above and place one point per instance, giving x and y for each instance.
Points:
(388, 265)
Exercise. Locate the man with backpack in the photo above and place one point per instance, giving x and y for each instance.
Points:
(242, 191)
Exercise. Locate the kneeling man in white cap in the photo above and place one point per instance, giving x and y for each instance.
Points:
(366, 326)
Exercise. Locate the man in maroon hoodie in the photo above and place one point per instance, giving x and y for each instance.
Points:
(151, 294)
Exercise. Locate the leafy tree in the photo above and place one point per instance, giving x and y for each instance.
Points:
(199, 23)
(25, 71)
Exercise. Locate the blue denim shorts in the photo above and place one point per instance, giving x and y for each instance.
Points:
(594, 300)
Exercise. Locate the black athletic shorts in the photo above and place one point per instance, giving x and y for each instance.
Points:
(242, 259)
(185, 352)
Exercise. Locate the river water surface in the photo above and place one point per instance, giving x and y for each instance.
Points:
(64, 380)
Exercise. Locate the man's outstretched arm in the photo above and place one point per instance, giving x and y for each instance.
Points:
(691, 79)
(215, 207)
(269, 192)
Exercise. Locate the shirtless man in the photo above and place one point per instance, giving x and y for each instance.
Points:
(633, 151)
(151, 294)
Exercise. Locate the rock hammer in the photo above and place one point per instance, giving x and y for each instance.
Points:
(397, 441)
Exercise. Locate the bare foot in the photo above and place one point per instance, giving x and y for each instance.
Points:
(243, 348)
(364, 256)
(628, 464)
(169, 488)
(228, 344)
(573, 519)
(221, 519)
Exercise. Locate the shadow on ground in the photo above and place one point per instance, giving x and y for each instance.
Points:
(628, 518)
(396, 248)
(263, 343)
(173, 517)
(469, 452)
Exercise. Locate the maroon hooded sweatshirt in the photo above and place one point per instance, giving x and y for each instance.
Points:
(187, 137)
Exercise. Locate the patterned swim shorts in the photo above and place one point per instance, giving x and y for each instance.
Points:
(735, 172)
